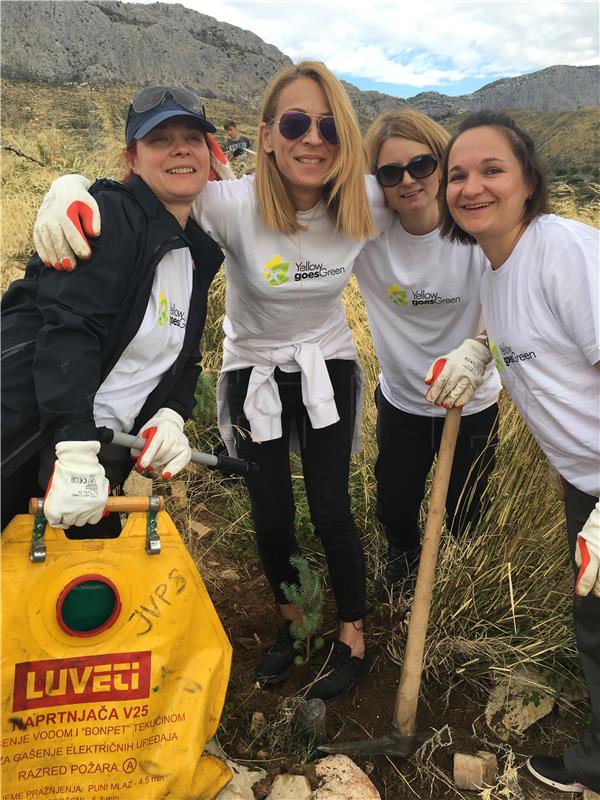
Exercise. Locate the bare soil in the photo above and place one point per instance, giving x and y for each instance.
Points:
(245, 606)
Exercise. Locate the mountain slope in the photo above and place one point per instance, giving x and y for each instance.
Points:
(107, 43)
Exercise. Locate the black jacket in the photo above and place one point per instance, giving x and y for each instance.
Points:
(63, 333)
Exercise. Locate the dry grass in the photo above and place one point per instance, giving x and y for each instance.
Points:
(502, 597)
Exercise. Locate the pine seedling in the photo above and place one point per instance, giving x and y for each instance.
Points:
(307, 597)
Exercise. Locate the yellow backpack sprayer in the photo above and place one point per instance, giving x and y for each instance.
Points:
(114, 661)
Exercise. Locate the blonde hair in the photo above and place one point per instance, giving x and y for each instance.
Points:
(405, 123)
(344, 188)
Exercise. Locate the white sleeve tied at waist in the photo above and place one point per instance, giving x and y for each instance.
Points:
(262, 406)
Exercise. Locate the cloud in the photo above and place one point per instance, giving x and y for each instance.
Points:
(422, 44)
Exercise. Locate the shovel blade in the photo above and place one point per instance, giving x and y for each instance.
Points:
(393, 744)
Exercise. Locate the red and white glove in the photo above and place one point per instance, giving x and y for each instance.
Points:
(167, 449)
(587, 555)
(68, 212)
(78, 490)
(219, 165)
(454, 378)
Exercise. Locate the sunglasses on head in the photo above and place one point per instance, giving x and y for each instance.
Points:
(153, 96)
(418, 168)
(294, 124)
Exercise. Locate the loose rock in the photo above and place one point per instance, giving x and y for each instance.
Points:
(286, 787)
(258, 724)
(474, 771)
(588, 794)
(517, 701)
(240, 786)
(229, 575)
(198, 529)
(341, 778)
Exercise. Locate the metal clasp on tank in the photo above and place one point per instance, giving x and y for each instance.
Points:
(152, 537)
(37, 554)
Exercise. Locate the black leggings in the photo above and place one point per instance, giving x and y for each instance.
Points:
(325, 457)
(407, 445)
(583, 760)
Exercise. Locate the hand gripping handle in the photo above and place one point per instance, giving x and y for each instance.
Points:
(231, 466)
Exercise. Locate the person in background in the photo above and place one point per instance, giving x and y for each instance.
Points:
(422, 298)
(540, 296)
(116, 343)
(290, 375)
(235, 144)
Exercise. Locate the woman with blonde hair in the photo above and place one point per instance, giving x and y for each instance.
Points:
(290, 374)
(422, 299)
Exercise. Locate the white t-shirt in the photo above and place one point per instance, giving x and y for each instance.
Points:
(542, 312)
(422, 299)
(283, 291)
(153, 349)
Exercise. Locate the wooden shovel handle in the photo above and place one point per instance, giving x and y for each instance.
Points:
(407, 696)
(125, 504)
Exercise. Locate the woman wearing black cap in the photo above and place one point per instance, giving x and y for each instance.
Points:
(290, 374)
(117, 342)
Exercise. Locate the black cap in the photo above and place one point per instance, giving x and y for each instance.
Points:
(142, 122)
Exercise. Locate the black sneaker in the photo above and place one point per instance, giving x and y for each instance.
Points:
(551, 770)
(341, 672)
(278, 661)
(400, 564)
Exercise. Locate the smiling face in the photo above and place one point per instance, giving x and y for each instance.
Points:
(414, 199)
(487, 190)
(173, 159)
(304, 162)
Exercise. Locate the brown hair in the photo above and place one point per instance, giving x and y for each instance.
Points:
(127, 153)
(523, 148)
(344, 189)
(405, 123)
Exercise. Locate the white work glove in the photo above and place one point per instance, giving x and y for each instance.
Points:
(167, 449)
(218, 161)
(453, 378)
(587, 555)
(67, 211)
(78, 490)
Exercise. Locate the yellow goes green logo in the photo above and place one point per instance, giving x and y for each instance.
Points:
(275, 271)
(397, 295)
(497, 357)
(163, 309)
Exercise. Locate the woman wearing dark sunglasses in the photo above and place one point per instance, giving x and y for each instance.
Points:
(422, 299)
(116, 343)
(290, 373)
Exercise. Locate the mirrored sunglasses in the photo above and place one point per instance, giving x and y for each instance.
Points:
(418, 168)
(294, 124)
(153, 96)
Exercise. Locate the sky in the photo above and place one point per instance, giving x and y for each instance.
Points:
(403, 47)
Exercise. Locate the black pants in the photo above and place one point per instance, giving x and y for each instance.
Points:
(583, 760)
(407, 445)
(325, 457)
